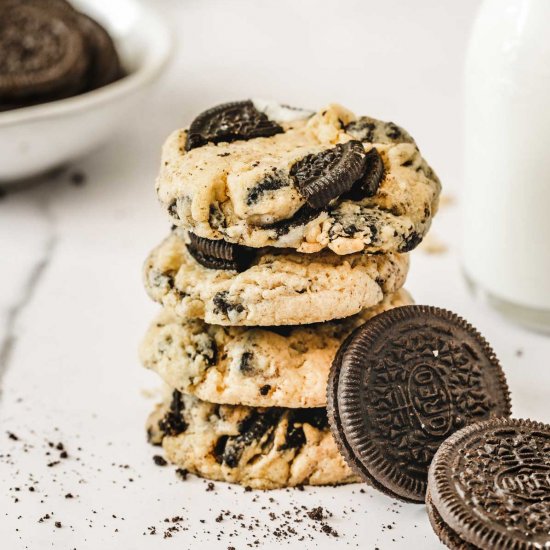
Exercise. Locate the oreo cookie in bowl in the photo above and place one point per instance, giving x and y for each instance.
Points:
(65, 66)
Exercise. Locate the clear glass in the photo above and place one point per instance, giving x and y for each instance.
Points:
(506, 200)
(532, 318)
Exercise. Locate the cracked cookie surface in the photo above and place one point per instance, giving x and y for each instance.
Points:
(245, 191)
(280, 287)
(262, 448)
(282, 367)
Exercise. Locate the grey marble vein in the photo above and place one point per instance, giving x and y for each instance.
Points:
(7, 343)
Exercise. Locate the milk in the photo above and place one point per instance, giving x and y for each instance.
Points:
(506, 200)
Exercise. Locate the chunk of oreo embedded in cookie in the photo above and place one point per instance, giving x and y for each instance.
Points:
(404, 382)
(489, 486)
(373, 174)
(324, 176)
(228, 122)
(220, 254)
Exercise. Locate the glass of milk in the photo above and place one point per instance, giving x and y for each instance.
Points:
(506, 201)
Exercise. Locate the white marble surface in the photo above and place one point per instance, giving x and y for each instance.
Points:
(72, 308)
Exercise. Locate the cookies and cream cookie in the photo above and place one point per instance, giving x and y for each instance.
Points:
(269, 286)
(259, 367)
(258, 174)
(260, 448)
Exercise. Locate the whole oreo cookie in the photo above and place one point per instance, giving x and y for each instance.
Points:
(228, 122)
(41, 52)
(104, 65)
(324, 176)
(50, 51)
(401, 384)
(489, 486)
(220, 254)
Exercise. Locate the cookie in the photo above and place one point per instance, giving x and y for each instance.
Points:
(324, 180)
(280, 287)
(401, 384)
(220, 254)
(280, 367)
(104, 64)
(230, 122)
(489, 486)
(448, 537)
(41, 51)
(50, 51)
(256, 447)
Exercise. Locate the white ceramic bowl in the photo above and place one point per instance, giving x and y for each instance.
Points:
(36, 139)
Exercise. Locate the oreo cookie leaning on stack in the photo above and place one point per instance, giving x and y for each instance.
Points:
(290, 230)
(50, 51)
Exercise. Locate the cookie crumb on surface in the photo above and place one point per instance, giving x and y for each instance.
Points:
(159, 460)
(432, 245)
(78, 178)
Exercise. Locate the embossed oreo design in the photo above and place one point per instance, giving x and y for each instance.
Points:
(230, 122)
(489, 485)
(401, 384)
(528, 482)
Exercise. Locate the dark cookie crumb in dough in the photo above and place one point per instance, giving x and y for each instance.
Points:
(223, 305)
(271, 182)
(173, 424)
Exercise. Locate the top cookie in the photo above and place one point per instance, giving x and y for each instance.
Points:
(260, 174)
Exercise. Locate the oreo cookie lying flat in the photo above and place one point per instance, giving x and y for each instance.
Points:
(41, 53)
(326, 175)
(229, 122)
(220, 254)
(401, 384)
(489, 486)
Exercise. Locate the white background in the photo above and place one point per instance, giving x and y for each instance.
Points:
(72, 308)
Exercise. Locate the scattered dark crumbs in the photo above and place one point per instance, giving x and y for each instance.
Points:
(316, 513)
(159, 460)
(284, 524)
(12, 436)
(78, 178)
(182, 473)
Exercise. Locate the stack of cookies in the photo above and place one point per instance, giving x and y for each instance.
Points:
(290, 230)
(50, 51)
